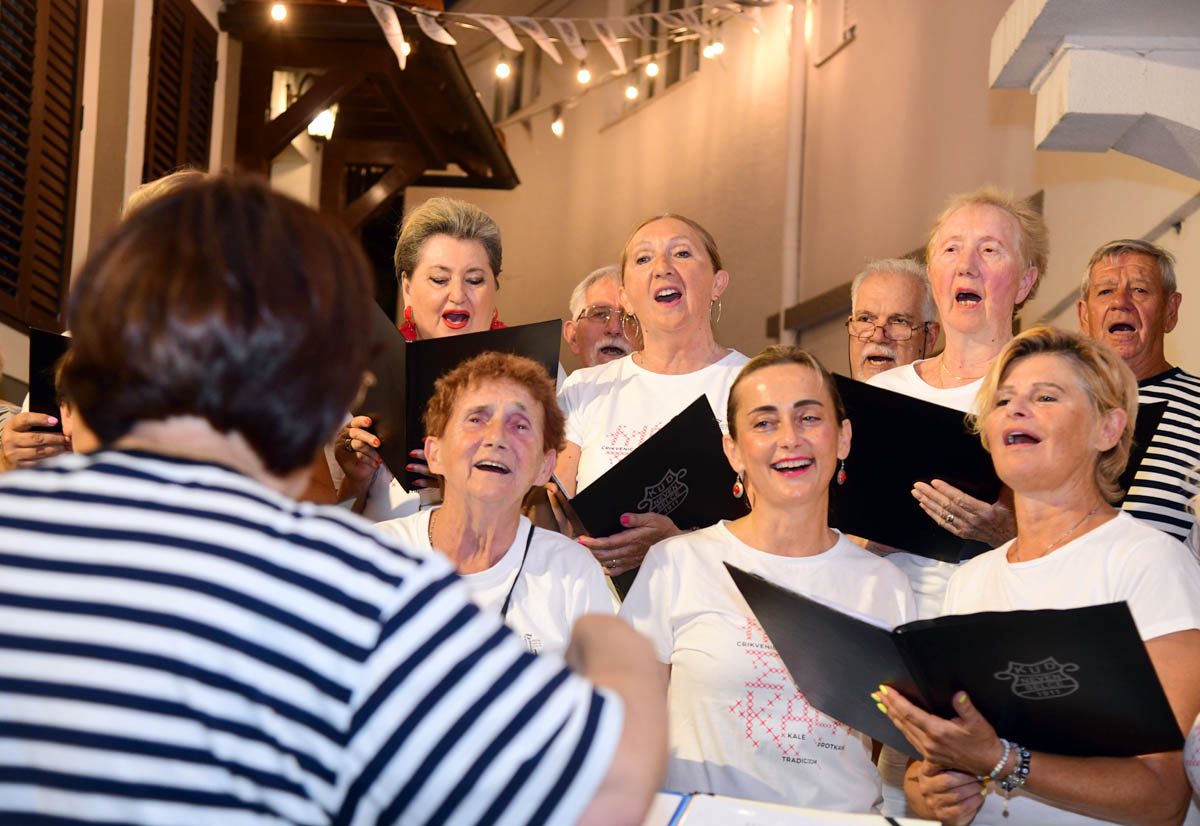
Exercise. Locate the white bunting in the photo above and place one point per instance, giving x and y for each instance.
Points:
(432, 29)
(570, 37)
(671, 21)
(534, 31)
(637, 27)
(499, 27)
(604, 31)
(390, 23)
(691, 19)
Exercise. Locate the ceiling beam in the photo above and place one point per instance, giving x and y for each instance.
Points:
(400, 176)
(325, 90)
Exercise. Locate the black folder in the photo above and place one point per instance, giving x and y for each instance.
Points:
(1075, 682)
(405, 373)
(45, 350)
(899, 440)
(681, 472)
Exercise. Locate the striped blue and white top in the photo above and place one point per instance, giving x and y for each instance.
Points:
(181, 645)
(1165, 481)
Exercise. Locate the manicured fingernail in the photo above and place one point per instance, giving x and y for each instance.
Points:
(375, 442)
(881, 707)
(51, 420)
(983, 791)
(581, 542)
(962, 698)
(378, 462)
(883, 690)
(875, 696)
(413, 453)
(624, 519)
(368, 422)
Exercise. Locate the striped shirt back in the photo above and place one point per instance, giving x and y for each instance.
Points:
(181, 645)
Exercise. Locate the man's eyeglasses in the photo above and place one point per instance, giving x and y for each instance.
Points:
(602, 314)
(894, 330)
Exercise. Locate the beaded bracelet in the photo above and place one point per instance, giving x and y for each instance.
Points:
(1020, 772)
(1000, 764)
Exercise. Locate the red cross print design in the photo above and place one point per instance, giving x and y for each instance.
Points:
(773, 707)
(623, 440)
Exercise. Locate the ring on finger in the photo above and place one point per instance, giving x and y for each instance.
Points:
(348, 444)
(948, 517)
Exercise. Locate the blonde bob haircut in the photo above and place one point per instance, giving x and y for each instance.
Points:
(1105, 377)
(1035, 237)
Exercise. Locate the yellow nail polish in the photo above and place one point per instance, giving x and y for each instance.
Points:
(881, 707)
(983, 792)
(875, 696)
(962, 698)
(883, 690)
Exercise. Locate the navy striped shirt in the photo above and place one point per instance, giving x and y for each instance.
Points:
(1166, 480)
(181, 645)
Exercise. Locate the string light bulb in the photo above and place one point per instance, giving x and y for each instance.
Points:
(708, 52)
(584, 75)
(278, 11)
(631, 92)
(718, 47)
(557, 127)
(651, 69)
(503, 70)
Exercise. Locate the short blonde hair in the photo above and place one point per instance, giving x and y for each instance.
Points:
(446, 216)
(152, 190)
(1105, 377)
(1034, 235)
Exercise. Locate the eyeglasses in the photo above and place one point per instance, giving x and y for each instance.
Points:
(894, 330)
(602, 314)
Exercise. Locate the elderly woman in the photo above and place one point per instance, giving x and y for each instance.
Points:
(672, 280)
(985, 254)
(448, 260)
(494, 430)
(1056, 412)
(733, 710)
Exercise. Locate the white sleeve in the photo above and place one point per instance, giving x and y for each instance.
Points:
(647, 606)
(1161, 583)
(569, 399)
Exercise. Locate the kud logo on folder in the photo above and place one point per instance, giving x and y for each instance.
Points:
(1043, 680)
(667, 495)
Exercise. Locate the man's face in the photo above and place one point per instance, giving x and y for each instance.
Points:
(1127, 309)
(882, 298)
(594, 339)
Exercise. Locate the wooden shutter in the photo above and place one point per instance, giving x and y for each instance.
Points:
(41, 68)
(183, 71)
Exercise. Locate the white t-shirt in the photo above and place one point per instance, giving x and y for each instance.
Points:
(928, 577)
(738, 724)
(1123, 559)
(612, 408)
(560, 582)
(1191, 760)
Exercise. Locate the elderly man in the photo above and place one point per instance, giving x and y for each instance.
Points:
(893, 320)
(599, 330)
(1128, 301)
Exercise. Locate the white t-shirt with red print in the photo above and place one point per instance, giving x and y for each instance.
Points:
(738, 724)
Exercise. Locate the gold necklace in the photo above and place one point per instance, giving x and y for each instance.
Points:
(1070, 530)
(432, 516)
(946, 370)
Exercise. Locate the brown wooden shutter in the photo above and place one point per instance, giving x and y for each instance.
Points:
(183, 71)
(41, 68)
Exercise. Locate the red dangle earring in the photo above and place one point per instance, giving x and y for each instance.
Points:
(497, 324)
(738, 487)
(408, 329)
(841, 472)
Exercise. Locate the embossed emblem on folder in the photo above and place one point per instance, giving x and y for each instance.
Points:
(1043, 680)
(666, 495)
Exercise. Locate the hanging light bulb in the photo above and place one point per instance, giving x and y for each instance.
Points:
(708, 52)
(278, 11)
(584, 75)
(556, 126)
(651, 69)
(718, 47)
(503, 70)
(631, 92)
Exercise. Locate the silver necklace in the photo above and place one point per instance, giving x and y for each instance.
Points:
(432, 516)
(1069, 531)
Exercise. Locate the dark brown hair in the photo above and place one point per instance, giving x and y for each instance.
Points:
(782, 354)
(224, 300)
(500, 366)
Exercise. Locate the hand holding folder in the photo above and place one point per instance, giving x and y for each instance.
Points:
(1057, 681)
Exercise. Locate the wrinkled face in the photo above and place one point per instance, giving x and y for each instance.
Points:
(975, 269)
(669, 279)
(887, 298)
(1128, 309)
(492, 448)
(595, 338)
(1041, 430)
(788, 438)
(452, 290)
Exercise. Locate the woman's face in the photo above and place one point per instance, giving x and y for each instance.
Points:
(452, 289)
(491, 450)
(1042, 432)
(788, 439)
(975, 269)
(669, 281)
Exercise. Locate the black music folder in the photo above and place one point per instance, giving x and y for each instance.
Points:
(45, 350)
(1074, 682)
(681, 472)
(897, 441)
(405, 373)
